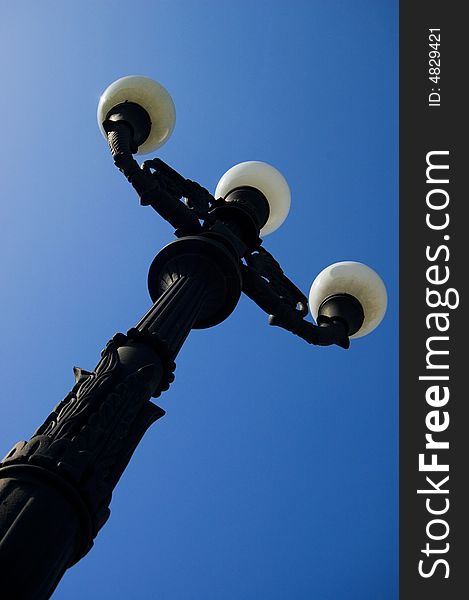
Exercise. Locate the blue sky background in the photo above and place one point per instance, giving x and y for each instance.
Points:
(274, 473)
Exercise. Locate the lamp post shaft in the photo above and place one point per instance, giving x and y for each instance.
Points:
(55, 489)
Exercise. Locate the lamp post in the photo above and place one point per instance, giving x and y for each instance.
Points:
(55, 489)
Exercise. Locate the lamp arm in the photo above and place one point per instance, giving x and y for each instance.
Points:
(154, 189)
(265, 265)
(283, 314)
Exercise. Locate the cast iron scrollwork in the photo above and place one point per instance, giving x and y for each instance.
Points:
(266, 284)
(197, 198)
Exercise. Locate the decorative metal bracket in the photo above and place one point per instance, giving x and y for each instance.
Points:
(197, 198)
(266, 284)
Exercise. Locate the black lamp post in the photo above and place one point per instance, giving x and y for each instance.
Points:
(55, 489)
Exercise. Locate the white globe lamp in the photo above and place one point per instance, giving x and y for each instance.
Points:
(353, 281)
(266, 179)
(150, 96)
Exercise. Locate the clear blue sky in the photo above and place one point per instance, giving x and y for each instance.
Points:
(274, 473)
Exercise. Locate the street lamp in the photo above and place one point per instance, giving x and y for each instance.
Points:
(55, 489)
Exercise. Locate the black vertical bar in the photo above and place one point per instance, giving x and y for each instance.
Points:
(434, 522)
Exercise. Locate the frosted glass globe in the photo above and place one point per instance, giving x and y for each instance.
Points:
(358, 280)
(151, 96)
(267, 180)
